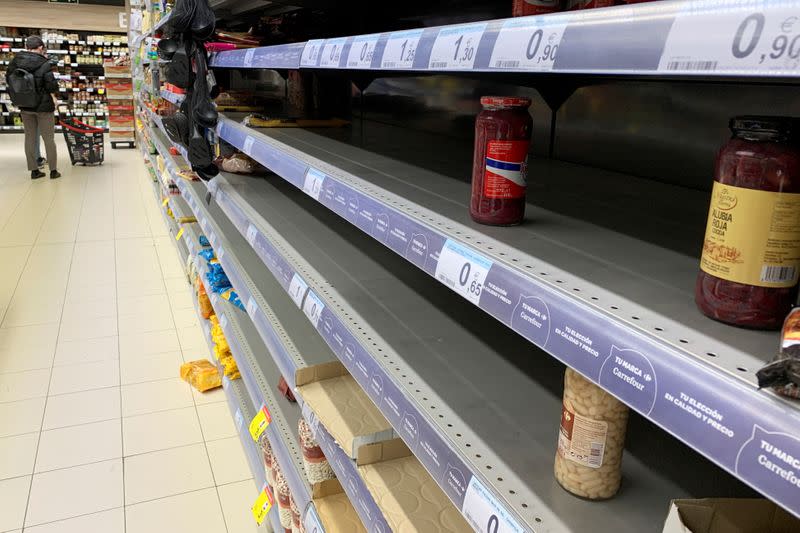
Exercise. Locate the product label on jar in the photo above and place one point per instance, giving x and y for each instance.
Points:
(581, 439)
(752, 237)
(505, 169)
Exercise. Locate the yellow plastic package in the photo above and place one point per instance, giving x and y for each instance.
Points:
(229, 367)
(201, 374)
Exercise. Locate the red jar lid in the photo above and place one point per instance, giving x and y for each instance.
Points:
(505, 102)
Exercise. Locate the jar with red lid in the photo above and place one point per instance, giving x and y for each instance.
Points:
(751, 252)
(524, 8)
(502, 139)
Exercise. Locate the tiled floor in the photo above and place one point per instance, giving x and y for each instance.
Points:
(97, 433)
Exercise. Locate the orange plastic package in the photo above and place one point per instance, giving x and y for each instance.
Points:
(205, 303)
(201, 374)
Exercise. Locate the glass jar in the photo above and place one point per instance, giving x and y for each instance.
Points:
(751, 251)
(502, 139)
(524, 8)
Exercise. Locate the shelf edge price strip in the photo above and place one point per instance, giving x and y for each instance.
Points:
(260, 423)
(262, 505)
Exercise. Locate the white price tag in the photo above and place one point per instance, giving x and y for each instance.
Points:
(764, 37)
(220, 253)
(401, 48)
(484, 513)
(463, 270)
(248, 57)
(247, 147)
(223, 321)
(456, 48)
(332, 52)
(313, 307)
(528, 44)
(361, 51)
(251, 234)
(212, 238)
(311, 521)
(239, 419)
(251, 306)
(313, 182)
(311, 53)
(297, 289)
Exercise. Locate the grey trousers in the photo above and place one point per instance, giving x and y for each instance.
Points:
(45, 124)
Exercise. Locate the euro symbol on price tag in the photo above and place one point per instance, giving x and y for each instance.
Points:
(260, 423)
(262, 505)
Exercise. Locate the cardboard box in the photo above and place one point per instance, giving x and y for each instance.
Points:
(729, 515)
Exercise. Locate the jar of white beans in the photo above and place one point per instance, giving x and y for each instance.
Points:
(591, 439)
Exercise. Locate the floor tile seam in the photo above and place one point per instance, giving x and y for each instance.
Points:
(50, 377)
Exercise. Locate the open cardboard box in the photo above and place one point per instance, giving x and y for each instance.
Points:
(391, 473)
(334, 508)
(729, 515)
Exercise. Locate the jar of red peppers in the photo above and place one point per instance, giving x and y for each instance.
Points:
(502, 139)
(751, 252)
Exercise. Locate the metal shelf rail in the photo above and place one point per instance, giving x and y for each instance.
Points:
(668, 38)
(658, 354)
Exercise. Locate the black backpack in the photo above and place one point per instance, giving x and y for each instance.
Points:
(22, 86)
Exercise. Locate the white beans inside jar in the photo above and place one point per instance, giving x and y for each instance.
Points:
(591, 439)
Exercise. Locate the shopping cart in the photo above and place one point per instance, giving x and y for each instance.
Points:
(84, 142)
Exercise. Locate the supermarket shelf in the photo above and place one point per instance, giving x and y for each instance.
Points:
(179, 207)
(277, 56)
(666, 39)
(428, 370)
(259, 372)
(117, 76)
(261, 376)
(536, 280)
(120, 96)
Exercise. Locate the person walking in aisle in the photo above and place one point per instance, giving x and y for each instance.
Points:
(31, 84)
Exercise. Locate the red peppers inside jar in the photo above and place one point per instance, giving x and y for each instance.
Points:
(751, 252)
(502, 139)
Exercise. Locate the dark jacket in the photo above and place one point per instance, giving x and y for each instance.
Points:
(46, 83)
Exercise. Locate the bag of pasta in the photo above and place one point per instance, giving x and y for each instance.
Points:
(201, 374)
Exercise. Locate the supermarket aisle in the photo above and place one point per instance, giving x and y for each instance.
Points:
(97, 432)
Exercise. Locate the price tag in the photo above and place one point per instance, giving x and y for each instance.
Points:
(248, 57)
(248, 145)
(311, 521)
(251, 306)
(251, 234)
(401, 48)
(313, 182)
(744, 39)
(463, 270)
(223, 321)
(484, 513)
(212, 238)
(260, 423)
(239, 417)
(313, 307)
(220, 253)
(297, 289)
(311, 53)
(165, 202)
(332, 52)
(262, 505)
(455, 48)
(179, 234)
(361, 51)
(528, 44)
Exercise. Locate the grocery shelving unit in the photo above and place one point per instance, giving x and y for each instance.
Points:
(350, 253)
